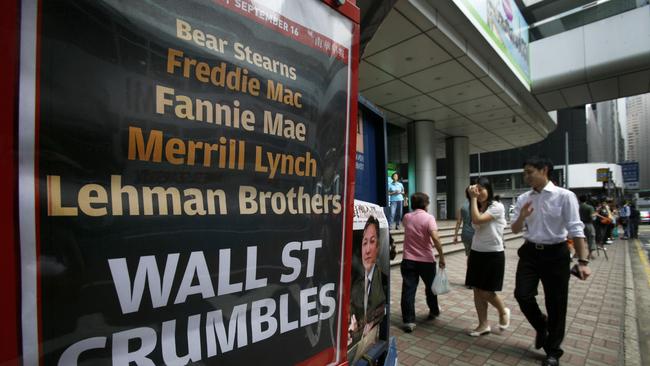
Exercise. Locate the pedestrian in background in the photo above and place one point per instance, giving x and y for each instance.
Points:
(551, 215)
(635, 220)
(624, 220)
(486, 263)
(613, 229)
(396, 201)
(464, 220)
(604, 220)
(587, 213)
(420, 237)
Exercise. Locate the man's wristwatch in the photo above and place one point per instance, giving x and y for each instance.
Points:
(583, 262)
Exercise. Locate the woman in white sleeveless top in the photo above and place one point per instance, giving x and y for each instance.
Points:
(486, 262)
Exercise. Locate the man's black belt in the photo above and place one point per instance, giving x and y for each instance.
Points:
(540, 246)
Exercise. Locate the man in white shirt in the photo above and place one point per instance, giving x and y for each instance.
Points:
(550, 215)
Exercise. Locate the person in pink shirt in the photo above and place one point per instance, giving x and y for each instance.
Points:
(418, 261)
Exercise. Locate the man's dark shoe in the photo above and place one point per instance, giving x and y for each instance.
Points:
(432, 315)
(408, 327)
(551, 361)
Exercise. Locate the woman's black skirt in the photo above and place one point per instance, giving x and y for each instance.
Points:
(485, 270)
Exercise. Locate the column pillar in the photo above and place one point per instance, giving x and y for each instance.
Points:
(457, 149)
(422, 160)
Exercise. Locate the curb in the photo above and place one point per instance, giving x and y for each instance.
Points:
(632, 356)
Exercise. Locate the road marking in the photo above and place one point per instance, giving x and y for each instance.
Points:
(644, 259)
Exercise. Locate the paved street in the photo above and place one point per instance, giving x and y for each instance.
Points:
(596, 321)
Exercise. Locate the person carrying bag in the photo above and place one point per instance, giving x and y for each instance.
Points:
(419, 262)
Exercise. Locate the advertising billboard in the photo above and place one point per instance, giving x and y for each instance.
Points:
(370, 171)
(183, 181)
(603, 174)
(630, 174)
(502, 25)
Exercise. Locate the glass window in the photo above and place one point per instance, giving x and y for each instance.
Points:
(519, 181)
(501, 182)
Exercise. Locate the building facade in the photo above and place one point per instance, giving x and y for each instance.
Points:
(605, 139)
(593, 132)
(638, 136)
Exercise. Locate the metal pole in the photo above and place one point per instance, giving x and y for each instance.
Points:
(566, 160)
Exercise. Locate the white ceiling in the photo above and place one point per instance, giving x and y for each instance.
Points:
(414, 70)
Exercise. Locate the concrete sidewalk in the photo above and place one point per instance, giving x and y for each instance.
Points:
(595, 319)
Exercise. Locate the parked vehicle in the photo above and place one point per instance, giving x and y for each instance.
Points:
(645, 214)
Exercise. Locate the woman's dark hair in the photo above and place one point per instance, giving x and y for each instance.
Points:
(394, 174)
(467, 192)
(419, 200)
(539, 162)
(485, 183)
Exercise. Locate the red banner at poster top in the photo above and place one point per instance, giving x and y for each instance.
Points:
(287, 27)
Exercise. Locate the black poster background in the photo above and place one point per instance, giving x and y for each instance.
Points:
(99, 64)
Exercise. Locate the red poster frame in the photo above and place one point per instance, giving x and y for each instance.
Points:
(9, 259)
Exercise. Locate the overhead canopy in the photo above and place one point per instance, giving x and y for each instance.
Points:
(428, 62)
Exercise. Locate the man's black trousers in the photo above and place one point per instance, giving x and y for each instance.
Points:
(550, 264)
